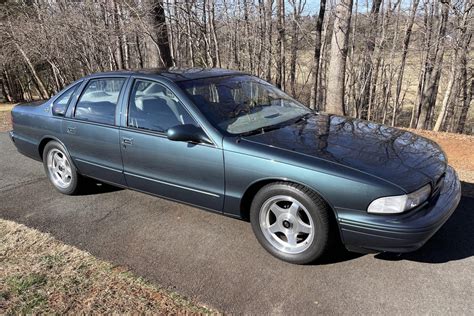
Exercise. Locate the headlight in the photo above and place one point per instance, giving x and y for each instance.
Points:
(399, 203)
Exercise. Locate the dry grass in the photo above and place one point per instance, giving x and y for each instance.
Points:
(39, 274)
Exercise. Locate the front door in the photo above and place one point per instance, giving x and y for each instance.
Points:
(182, 171)
(90, 131)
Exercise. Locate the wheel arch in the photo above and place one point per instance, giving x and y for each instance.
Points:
(45, 140)
(255, 186)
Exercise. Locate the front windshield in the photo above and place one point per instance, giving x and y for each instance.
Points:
(241, 104)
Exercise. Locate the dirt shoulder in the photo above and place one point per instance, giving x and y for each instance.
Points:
(5, 123)
(458, 147)
(39, 274)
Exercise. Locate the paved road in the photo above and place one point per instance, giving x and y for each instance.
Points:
(217, 261)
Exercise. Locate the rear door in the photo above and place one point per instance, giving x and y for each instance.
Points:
(187, 172)
(90, 129)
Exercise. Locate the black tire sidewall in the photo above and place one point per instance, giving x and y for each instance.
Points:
(72, 188)
(317, 209)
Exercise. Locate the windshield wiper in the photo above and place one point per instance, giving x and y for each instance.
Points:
(303, 117)
(262, 130)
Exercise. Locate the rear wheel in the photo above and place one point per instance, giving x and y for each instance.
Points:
(60, 170)
(291, 222)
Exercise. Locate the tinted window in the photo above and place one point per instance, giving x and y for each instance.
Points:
(99, 100)
(61, 103)
(241, 104)
(154, 107)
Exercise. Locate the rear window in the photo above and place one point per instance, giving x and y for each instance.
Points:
(99, 100)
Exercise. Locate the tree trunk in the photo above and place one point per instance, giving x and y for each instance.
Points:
(280, 79)
(39, 83)
(323, 65)
(313, 102)
(141, 63)
(123, 45)
(171, 34)
(294, 45)
(430, 89)
(162, 33)
(368, 65)
(468, 92)
(269, 22)
(206, 34)
(401, 70)
(189, 42)
(16, 96)
(467, 83)
(447, 96)
(212, 22)
(6, 89)
(337, 64)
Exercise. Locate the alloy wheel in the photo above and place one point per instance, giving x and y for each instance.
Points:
(286, 224)
(59, 168)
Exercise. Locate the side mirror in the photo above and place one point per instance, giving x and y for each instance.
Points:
(188, 133)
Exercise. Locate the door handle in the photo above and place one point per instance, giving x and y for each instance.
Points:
(127, 141)
(71, 130)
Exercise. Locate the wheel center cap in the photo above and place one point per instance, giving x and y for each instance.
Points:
(286, 224)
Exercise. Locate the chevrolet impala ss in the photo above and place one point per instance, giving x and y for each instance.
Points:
(231, 143)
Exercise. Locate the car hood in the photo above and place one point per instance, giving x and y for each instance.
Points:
(400, 157)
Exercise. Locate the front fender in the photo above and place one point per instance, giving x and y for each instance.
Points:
(340, 187)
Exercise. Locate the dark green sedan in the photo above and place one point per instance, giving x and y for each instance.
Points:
(231, 143)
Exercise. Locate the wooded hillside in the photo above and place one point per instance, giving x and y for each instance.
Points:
(401, 62)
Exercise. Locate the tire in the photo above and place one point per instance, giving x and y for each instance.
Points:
(60, 170)
(291, 222)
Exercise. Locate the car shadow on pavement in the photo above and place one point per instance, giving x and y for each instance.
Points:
(454, 241)
(337, 255)
(96, 187)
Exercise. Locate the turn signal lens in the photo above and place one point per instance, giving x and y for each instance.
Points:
(418, 197)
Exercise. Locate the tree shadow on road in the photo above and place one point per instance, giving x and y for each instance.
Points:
(454, 241)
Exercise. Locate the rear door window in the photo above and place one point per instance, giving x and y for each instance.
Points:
(98, 102)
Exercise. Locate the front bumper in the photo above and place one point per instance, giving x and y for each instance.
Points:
(364, 232)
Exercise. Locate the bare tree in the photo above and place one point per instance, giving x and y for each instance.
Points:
(433, 67)
(162, 33)
(382, 60)
(280, 79)
(298, 7)
(313, 103)
(401, 70)
(337, 64)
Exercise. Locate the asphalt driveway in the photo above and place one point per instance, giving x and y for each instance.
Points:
(217, 260)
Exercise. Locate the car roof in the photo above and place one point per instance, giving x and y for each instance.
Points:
(176, 74)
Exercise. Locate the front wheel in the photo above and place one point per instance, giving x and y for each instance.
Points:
(291, 222)
(59, 168)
